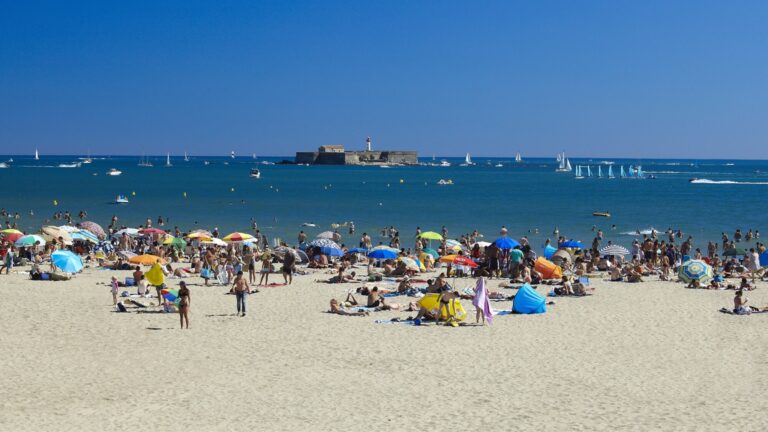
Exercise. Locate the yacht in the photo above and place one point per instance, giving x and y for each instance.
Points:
(114, 172)
(443, 182)
(564, 165)
(255, 173)
(144, 162)
(87, 159)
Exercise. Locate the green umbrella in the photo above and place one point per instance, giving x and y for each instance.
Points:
(431, 235)
(735, 252)
(176, 242)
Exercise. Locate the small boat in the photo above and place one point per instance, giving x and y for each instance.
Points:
(601, 214)
(114, 172)
(232, 154)
(498, 165)
(579, 175)
(37, 155)
(443, 182)
(384, 166)
(468, 160)
(206, 163)
(308, 224)
(3, 165)
(10, 160)
(564, 165)
(121, 199)
(255, 173)
(72, 165)
(444, 163)
(168, 160)
(144, 162)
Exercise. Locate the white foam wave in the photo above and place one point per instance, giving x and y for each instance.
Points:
(647, 231)
(727, 182)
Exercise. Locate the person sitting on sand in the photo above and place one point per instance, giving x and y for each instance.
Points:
(404, 285)
(567, 287)
(714, 284)
(616, 275)
(740, 306)
(745, 285)
(695, 284)
(341, 310)
(375, 300)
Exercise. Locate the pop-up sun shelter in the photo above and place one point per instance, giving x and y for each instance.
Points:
(528, 301)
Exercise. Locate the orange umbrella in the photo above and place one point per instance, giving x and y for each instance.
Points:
(145, 259)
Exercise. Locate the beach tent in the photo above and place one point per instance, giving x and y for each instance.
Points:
(549, 251)
(561, 256)
(764, 259)
(528, 301)
(548, 269)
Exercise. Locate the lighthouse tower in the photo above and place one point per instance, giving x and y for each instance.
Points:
(368, 144)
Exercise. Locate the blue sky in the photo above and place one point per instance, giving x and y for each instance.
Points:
(593, 78)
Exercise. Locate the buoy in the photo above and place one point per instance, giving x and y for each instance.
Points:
(402, 181)
(185, 194)
(133, 193)
(231, 189)
(55, 202)
(387, 184)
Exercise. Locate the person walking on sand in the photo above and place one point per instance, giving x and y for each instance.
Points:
(241, 290)
(266, 267)
(114, 290)
(289, 264)
(184, 303)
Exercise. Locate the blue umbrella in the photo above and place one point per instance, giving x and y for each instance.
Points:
(432, 252)
(549, 251)
(695, 270)
(331, 251)
(506, 243)
(67, 261)
(572, 244)
(382, 254)
(358, 250)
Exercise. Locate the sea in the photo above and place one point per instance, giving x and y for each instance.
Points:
(529, 198)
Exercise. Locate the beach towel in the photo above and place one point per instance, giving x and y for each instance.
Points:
(406, 322)
(731, 312)
(481, 300)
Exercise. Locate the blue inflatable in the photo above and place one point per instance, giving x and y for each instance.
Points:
(528, 301)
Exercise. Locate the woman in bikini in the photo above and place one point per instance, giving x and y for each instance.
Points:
(184, 303)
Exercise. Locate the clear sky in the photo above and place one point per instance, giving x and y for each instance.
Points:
(594, 78)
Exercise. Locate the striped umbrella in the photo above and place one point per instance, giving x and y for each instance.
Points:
(695, 270)
(614, 250)
(410, 263)
(94, 228)
(237, 237)
(85, 235)
(324, 243)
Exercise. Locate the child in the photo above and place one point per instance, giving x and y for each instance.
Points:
(114, 291)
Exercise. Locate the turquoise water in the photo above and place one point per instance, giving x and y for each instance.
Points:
(524, 197)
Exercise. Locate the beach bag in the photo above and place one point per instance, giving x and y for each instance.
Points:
(129, 281)
(205, 273)
(121, 307)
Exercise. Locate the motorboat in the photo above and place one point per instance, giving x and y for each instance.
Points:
(601, 214)
(71, 165)
(444, 163)
(498, 165)
(121, 199)
(114, 172)
(255, 173)
(3, 165)
(443, 182)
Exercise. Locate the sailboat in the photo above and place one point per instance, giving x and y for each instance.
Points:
(589, 171)
(144, 162)
(253, 155)
(186, 158)
(168, 160)
(579, 175)
(610, 172)
(623, 174)
(232, 154)
(88, 159)
(37, 156)
(564, 164)
(599, 171)
(467, 160)
(518, 158)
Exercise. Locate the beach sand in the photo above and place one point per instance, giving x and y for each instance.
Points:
(649, 356)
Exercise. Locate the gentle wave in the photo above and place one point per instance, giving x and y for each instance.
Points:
(728, 182)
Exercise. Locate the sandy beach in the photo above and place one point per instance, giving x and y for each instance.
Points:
(648, 356)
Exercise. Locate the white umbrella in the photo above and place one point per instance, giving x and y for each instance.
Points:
(325, 235)
(614, 250)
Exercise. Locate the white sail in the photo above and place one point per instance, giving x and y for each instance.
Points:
(568, 165)
(610, 171)
(232, 154)
(168, 159)
(37, 156)
(518, 158)
(600, 171)
(589, 171)
(186, 158)
(623, 174)
(468, 159)
(559, 158)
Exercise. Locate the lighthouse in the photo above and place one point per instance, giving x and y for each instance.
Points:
(368, 144)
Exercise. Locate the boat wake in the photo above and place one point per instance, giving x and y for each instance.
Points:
(647, 231)
(726, 182)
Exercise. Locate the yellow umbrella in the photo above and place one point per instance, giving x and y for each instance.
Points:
(431, 235)
(200, 235)
(145, 259)
(11, 231)
(237, 236)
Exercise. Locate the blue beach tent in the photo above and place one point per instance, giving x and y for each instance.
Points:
(528, 301)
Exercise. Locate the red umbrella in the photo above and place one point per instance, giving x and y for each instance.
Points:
(152, 231)
(12, 237)
(459, 260)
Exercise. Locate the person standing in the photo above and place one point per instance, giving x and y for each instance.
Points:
(184, 304)
(241, 289)
(8, 261)
(289, 262)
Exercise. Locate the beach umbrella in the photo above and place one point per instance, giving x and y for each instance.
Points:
(53, 233)
(324, 243)
(85, 235)
(573, 244)
(133, 232)
(237, 237)
(10, 231)
(281, 251)
(104, 246)
(410, 263)
(126, 254)
(175, 241)
(214, 241)
(303, 257)
(145, 259)
(430, 251)
(30, 240)
(94, 228)
(735, 252)
(200, 235)
(150, 231)
(695, 270)
(14, 237)
(382, 254)
(331, 251)
(614, 250)
(430, 235)
(459, 260)
(385, 247)
(506, 243)
(67, 261)
(549, 250)
(482, 244)
(358, 250)
(325, 235)
(69, 228)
